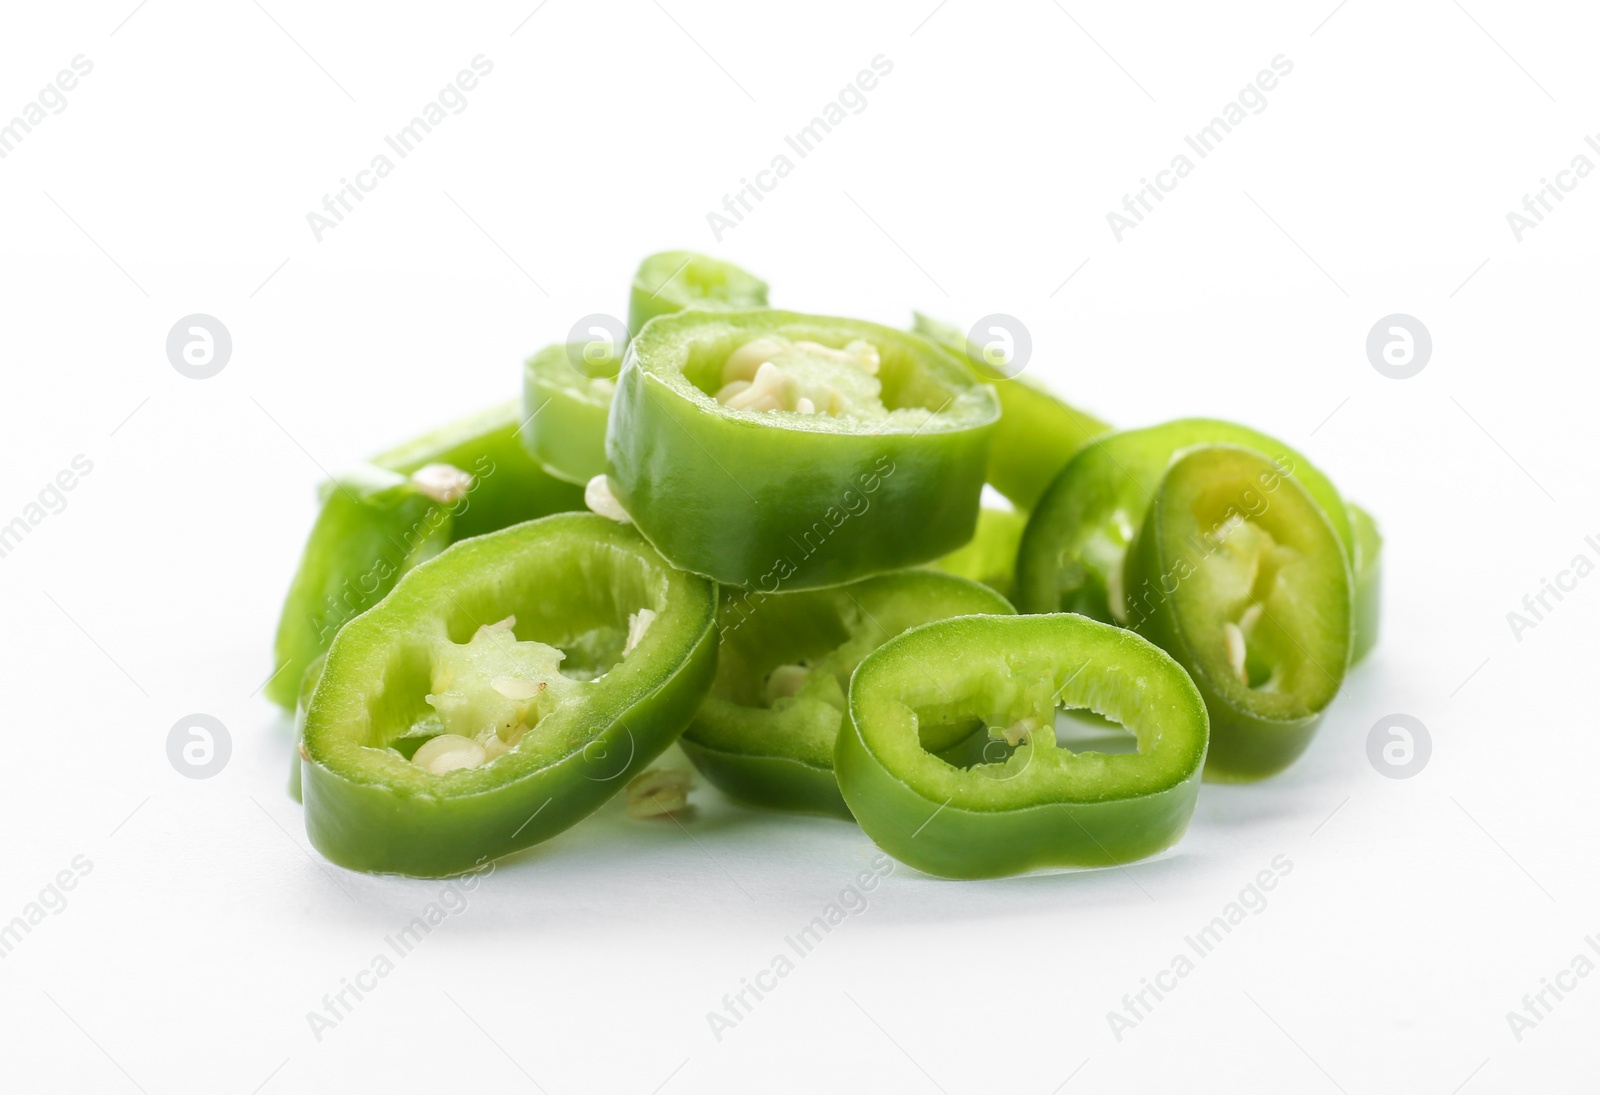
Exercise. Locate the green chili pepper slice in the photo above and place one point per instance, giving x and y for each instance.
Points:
(308, 685)
(383, 518)
(1033, 803)
(1367, 570)
(765, 734)
(1071, 558)
(567, 390)
(1038, 432)
(990, 556)
(771, 450)
(567, 394)
(500, 693)
(1238, 574)
(671, 281)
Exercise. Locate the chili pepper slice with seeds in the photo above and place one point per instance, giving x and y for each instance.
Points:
(1072, 552)
(1028, 802)
(383, 518)
(500, 693)
(772, 450)
(765, 733)
(1237, 573)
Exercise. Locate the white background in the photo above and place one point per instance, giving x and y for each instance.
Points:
(977, 180)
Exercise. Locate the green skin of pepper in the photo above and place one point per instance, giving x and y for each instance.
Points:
(369, 811)
(769, 782)
(671, 281)
(364, 541)
(991, 556)
(1038, 432)
(738, 744)
(1073, 545)
(1368, 570)
(564, 418)
(308, 685)
(1057, 809)
(780, 500)
(1253, 735)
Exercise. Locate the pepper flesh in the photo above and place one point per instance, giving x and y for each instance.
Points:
(765, 734)
(1072, 552)
(1238, 574)
(1038, 804)
(1038, 431)
(308, 684)
(671, 281)
(375, 525)
(1367, 570)
(567, 390)
(790, 498)
(567, 394)
(467, 645)
(990, 556)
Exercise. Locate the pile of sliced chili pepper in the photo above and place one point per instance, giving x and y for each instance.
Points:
(788, 569)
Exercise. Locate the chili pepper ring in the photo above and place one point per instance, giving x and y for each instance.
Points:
(767, 449)
(1041, 805)
(500, 693)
